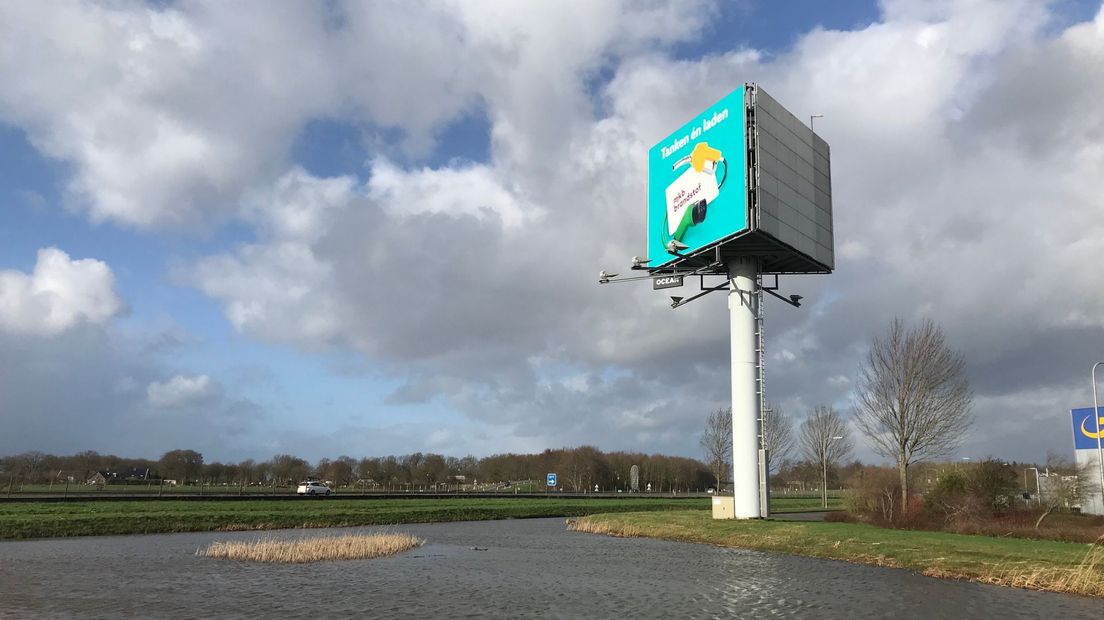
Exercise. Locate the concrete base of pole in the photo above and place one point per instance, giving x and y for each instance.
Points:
(743, 310)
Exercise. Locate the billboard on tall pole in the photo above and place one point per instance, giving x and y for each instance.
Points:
(741, 190)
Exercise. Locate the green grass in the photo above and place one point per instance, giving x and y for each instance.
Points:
(784, 503)
(1059, 566)
(141, 489)
(91, 518)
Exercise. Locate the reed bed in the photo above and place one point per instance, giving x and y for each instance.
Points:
(618, 530)
(319, 549)
(1087, 578)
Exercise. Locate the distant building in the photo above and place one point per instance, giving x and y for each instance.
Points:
(97, 478)
(131, 474)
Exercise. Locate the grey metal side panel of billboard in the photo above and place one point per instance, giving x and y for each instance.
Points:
(794, 181)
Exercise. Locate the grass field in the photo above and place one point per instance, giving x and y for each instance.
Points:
(43, 519)
(91, 518)
(1045, 565)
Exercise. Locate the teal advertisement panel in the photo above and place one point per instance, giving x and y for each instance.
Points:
(697, 193)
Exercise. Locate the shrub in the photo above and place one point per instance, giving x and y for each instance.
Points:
(953, 500)
(873, 495)
(994, 484)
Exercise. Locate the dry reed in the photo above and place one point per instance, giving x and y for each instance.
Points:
(1086, 578)
(348, 547)
(620, 530)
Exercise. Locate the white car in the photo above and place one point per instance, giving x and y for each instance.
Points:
(313, 487)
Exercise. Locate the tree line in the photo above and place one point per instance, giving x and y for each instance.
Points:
(578, 469)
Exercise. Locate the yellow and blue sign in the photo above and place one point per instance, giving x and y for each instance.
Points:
(1086, 430)
(697, 190)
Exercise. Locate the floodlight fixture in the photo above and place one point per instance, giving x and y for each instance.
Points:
(675, 246)
(675, 301)
(640, 263)
(604, 277)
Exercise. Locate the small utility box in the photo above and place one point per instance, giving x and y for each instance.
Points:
(724, 507)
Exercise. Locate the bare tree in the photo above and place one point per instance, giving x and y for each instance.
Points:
(825, 441)
(717, 442)
(914, 400)
(777, 436)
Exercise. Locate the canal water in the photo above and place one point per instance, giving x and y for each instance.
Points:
(488, 569)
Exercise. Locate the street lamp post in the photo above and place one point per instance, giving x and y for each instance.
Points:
(1038, 489)
(1099, 449)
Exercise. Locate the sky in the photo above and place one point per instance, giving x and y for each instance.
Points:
(349, 228)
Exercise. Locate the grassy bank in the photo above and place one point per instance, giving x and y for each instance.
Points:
(1044, 565)
(790, 503)
(43, 519)
(19, 520)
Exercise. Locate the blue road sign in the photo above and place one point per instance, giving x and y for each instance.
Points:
(1085, 429)
(552, 479)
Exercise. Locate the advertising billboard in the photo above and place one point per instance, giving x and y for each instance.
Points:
(1085, 429)
(748, 176)
(792, 189)
(697, 187)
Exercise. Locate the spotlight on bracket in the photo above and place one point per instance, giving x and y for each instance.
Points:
(640, 263)
(676, 246)
(604, 278)
(675, 301)
(795, 300)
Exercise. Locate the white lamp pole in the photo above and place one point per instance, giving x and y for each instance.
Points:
(1099, 450)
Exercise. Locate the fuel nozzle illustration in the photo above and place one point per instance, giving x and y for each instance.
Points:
(688, 197)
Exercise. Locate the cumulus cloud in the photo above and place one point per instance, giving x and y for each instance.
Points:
(169, 113)
(965, 139)
(181, 390)
(57, 295)
(479, 275)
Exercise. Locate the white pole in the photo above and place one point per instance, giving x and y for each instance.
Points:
(743, 299)
(1099, 450)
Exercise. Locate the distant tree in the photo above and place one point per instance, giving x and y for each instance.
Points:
(342, 470)
(214, 472)
(716, 442)
(434, 469)
(32, 465)
(288, 469)
(182, 465)
(247, 471)
(825, 441)
(389, 471)
(777, 436)
(914, 400)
